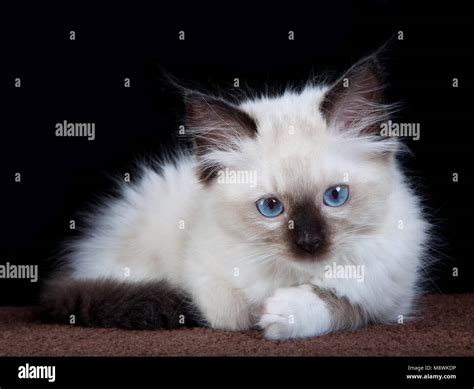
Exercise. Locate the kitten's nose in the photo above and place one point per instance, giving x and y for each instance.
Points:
(309, 243)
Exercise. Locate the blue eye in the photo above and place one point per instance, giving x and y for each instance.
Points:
(269, 206)
(335, 196)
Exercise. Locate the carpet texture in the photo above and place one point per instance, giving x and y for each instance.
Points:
(446, 328)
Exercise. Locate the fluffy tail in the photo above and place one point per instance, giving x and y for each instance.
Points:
(108, 303)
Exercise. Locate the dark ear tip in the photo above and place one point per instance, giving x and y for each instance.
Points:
(193, 97)
(196, 98)
(378, 63)
(373, 64)
(195, 102)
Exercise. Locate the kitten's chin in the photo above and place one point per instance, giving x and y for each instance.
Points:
(307, 267)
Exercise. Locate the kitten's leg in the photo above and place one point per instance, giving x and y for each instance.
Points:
(222, 306)
(307, 310)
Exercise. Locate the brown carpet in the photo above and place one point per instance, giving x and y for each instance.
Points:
(446, 329)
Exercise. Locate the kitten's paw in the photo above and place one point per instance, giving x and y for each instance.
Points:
(294, 313)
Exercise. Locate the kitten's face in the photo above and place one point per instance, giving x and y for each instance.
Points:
(298, 160)
(321, 172)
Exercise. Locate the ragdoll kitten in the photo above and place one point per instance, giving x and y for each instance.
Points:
(258, 223)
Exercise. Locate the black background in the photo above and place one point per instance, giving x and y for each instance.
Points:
(83, 81)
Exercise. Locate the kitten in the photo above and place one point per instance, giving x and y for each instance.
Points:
(259, 222)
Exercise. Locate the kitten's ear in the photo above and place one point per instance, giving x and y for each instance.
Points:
(356, 100)
(216, 124)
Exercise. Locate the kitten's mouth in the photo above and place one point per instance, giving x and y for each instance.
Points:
(297, 255)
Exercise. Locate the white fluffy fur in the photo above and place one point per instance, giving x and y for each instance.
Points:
(220, 256)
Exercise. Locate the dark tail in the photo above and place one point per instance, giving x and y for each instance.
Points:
(109, 303)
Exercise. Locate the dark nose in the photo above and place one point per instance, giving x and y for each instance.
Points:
(309, 243)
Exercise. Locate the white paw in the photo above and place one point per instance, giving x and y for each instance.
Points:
(294, 313)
